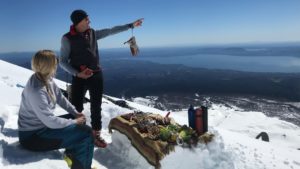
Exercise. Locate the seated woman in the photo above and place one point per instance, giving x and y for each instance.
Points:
(39, 129)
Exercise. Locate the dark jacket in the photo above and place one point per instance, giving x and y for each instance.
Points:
(79, 49)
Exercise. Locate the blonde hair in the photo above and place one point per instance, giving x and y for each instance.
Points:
(44, 64)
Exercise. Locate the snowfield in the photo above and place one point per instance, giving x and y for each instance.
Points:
(234, 145)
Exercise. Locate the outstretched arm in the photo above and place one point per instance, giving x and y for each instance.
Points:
(100, 34)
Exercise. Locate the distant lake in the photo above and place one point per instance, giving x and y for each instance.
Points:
(285, 61)
(160, 67)
(285, 64)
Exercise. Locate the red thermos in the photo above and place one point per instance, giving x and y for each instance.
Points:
(199, 121)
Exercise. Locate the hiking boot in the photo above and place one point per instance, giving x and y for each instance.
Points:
(98, 140)
(68, 159)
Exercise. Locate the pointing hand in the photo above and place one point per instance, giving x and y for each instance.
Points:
(138, 22)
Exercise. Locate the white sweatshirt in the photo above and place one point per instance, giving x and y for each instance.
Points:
(36, 109)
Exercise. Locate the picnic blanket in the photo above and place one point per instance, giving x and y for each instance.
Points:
(155, 136)
(142, 129)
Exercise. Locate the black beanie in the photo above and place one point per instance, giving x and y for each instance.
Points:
(78, 15)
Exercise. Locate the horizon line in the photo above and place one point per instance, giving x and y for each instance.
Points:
(188, 45)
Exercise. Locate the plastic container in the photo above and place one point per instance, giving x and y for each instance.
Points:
(191, 117)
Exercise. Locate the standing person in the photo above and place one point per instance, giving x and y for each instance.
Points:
(80, 58)
(39, 129)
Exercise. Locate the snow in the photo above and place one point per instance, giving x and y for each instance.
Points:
(144, 101)
(234, 145)
(212, 155)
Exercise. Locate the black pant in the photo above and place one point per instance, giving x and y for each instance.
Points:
(95, 86)
(76, 139)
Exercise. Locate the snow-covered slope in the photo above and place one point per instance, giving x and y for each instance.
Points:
(234, 146)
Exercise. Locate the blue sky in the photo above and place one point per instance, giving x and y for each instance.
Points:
(30, 25)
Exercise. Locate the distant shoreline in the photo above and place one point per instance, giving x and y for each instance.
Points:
(129, 76)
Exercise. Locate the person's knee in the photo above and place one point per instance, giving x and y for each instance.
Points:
(85, 130)
(88, 134)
